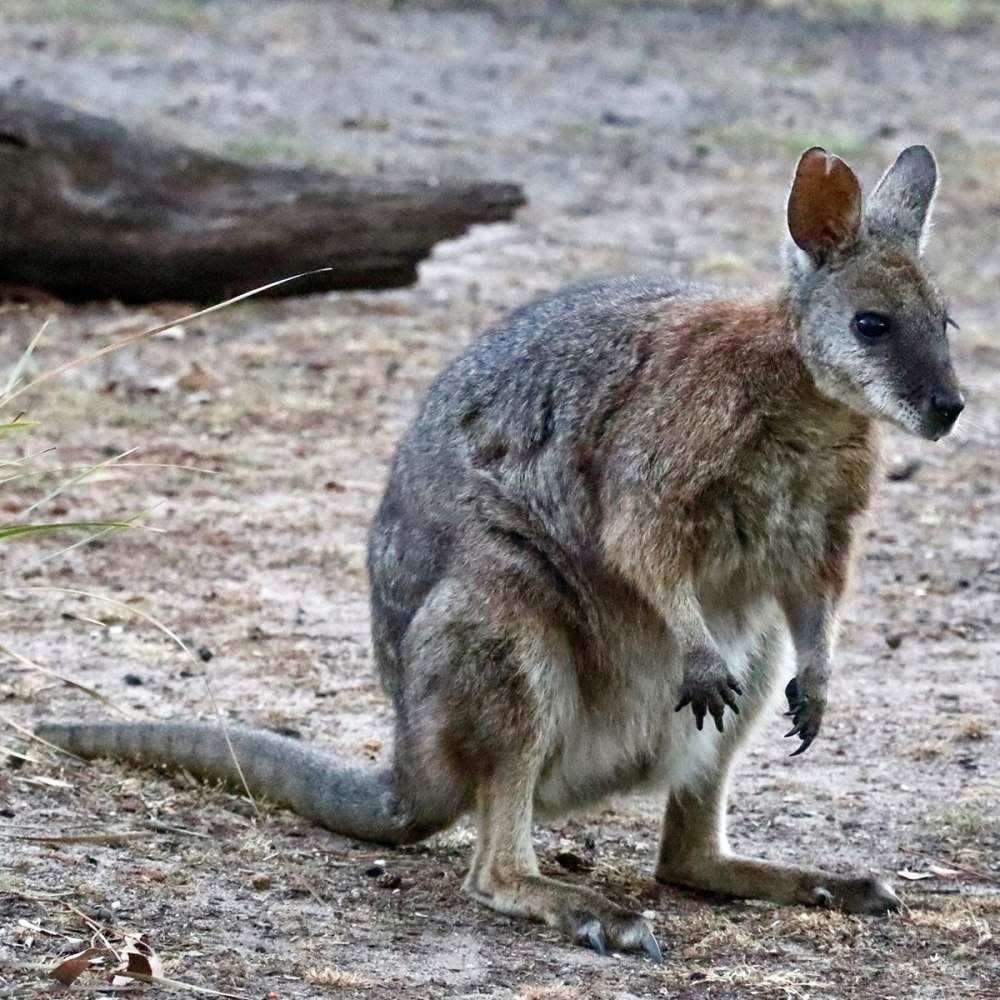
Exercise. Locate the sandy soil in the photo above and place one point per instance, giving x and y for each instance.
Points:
(646, 138)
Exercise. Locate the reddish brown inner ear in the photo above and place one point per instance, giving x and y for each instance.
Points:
(824, 208)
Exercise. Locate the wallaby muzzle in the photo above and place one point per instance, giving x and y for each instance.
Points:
(941, 400)
(928, 386)
(942, 411)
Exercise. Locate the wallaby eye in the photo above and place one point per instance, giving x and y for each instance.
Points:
(870, 326)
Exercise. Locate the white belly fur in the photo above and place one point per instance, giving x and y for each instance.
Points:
(637, 739)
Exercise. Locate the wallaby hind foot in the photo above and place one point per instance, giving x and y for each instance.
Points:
(752, 878)
(583, 915)
(693, 855)
(504, 876)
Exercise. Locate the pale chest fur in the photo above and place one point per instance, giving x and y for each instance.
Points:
(636, 738)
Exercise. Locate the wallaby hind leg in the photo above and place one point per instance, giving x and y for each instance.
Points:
(694, 851)
(482, 709)
(504, 874)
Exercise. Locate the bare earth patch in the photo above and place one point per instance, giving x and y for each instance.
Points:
(647, 138)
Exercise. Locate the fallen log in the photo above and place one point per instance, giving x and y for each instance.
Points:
(90, 209)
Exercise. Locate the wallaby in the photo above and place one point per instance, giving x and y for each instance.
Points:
(628, 499)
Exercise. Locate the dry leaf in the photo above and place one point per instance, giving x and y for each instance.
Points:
(175, 332)
(913, 876)
(72, 966)
(943, 872)
(38, 929)
(41, 779)
(196, 379)
(137, 959)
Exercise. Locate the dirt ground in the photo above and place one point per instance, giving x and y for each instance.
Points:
(649, 137)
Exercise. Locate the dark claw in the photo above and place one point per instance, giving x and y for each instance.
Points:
(799, 711)
(792, 692)
(651, 948)
(593, 937)
(711, 699)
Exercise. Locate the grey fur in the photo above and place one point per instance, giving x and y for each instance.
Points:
(315, 785)
(899, 208)
(630, 497)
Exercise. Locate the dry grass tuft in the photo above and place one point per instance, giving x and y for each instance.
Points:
(763, 982)
(973, 816)
(337, 978)
(529, 992)
(974, 729)
(926, 749)
(454, 842)
(768, 931)
(963, 924)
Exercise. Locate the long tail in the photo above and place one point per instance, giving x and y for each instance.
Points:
(338, 794)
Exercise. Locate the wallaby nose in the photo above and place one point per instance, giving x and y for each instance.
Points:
(947, 406)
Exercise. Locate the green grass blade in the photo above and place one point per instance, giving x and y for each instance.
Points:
(72, 481)
(12, 393)
(39, 473)
(22, 363)
(16, 530)
(16, 425)
(88, 539)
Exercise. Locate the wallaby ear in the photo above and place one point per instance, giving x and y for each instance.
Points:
(824, 207)
(900, 205)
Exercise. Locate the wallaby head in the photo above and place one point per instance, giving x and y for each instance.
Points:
(871, 326)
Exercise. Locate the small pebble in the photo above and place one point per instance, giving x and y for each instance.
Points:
(905, 472)
(620, 119)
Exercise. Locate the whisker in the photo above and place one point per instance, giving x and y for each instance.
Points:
(965, 422)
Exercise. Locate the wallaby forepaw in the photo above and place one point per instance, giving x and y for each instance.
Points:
(806, 714)
(708, 692)
(624, 932)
